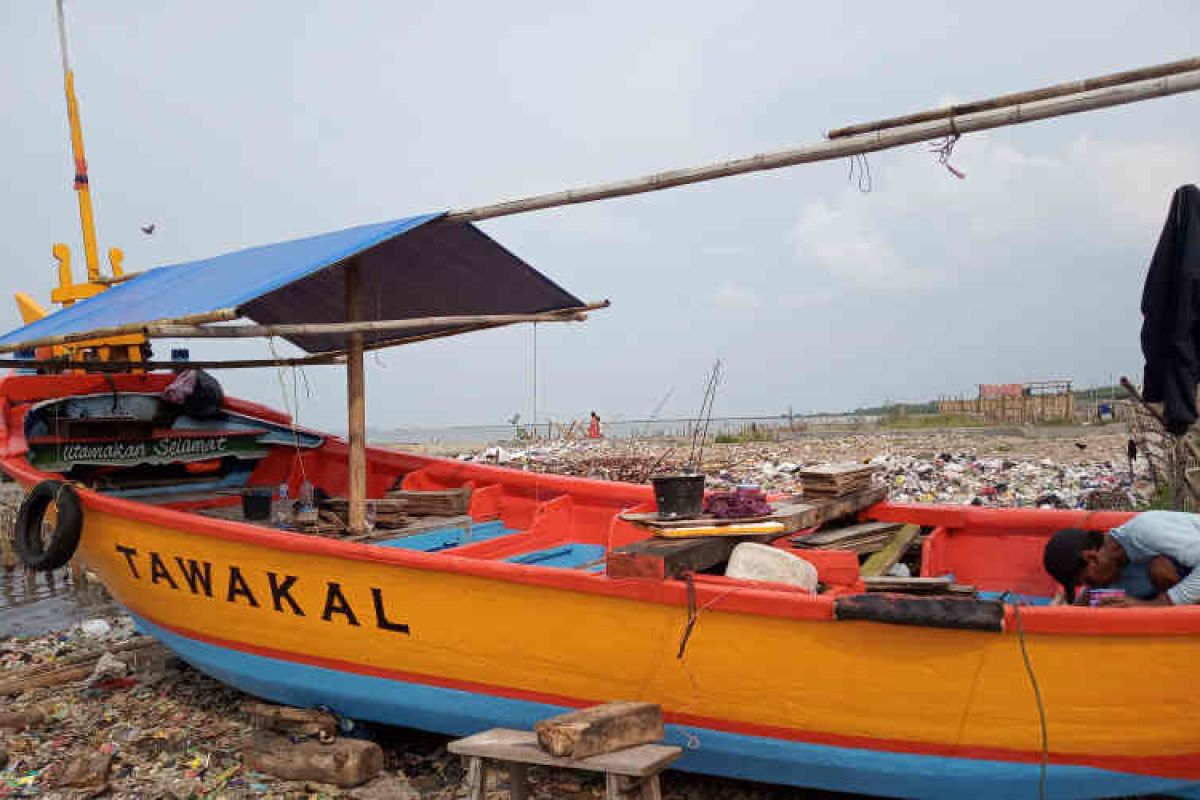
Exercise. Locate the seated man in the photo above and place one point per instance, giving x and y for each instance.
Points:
(1154, 557)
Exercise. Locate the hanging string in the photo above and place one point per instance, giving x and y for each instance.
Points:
(859, 160)
(945, 148)
(292, 408)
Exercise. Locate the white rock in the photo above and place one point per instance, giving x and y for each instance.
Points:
(761, 562)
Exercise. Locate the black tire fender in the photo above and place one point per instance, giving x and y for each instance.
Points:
(35, 551)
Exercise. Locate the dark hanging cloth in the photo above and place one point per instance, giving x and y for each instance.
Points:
(1171, 313)
(195, 393)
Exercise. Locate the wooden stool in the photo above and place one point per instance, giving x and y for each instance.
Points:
(635, 768)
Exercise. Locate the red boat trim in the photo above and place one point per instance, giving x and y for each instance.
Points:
(1186, 766)
(1063, 620)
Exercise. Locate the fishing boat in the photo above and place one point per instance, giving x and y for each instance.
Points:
(509, 608)
(506, 615)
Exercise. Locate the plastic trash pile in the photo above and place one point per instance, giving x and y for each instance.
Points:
(1040, 470)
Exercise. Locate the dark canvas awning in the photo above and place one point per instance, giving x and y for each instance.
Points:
(414, 268)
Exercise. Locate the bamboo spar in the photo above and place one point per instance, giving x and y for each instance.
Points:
(1044, 93)
(848, 146)
(219, 315)
(356, 403)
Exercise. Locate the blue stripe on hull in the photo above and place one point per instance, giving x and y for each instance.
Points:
(456, 712)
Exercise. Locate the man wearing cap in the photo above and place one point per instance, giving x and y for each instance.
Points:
(1154, 557)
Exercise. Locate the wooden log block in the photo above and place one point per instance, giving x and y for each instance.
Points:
(19, 720)
(285, 719)
(600, 729)
(87, 771)
(886, 558)
(671, 558)
(343, 762)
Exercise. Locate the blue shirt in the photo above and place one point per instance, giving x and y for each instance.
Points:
(1165, 533)
(1135, 580)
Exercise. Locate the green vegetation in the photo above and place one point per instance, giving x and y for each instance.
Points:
(897, 409)
(931, 421)
(1162, 499)
(752, 434)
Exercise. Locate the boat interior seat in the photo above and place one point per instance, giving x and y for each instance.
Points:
(449, 537)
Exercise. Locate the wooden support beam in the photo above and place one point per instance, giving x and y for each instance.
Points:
(60, 364)
(220, 315)
(870, 142)
(358, 325)
(1016, 98)
(356, 404)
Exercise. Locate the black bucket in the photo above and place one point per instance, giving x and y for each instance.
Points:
(256, 503)
(679, 495)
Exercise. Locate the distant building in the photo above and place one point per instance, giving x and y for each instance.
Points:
(1016, 403)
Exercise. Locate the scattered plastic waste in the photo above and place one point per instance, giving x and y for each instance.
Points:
(95, 627)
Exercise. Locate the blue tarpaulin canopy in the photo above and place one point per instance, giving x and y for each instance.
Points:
(423, 266)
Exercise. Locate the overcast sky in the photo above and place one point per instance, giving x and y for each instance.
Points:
(231, 124)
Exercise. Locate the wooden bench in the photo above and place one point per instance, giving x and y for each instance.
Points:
(625, 771)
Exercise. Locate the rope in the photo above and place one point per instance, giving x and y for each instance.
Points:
(693, 615)
(1037, 694)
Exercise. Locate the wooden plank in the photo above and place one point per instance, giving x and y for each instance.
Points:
(834, 536)
(886, 558)
(744, 529)
(887, 583)
(839, 469)
(504, 744)
(600, 729)
(412, 528)
(794, 516)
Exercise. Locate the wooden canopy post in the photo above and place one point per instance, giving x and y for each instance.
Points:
(356, 404)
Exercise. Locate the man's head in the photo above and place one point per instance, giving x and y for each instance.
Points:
(1074, 556)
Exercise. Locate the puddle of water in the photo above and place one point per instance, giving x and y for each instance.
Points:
(34, 603)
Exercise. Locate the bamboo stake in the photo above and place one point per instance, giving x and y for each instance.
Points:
(172, 331)
(220, 315)
(356, 403)
(846, 146)
(1045, 93)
